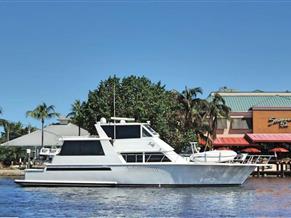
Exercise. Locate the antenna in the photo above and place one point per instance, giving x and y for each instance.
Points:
(114, 128)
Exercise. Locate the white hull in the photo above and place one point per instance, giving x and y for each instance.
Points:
(154, 174)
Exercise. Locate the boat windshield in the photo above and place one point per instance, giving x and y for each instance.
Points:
(149, 128)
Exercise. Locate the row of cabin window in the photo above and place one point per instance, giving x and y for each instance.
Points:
(83, 148)
(126, 132)
(149, 157)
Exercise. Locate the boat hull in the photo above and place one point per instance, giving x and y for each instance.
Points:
(139, 175)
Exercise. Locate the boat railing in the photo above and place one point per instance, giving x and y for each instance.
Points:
(253, 159)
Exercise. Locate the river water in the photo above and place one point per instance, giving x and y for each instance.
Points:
(263, 197)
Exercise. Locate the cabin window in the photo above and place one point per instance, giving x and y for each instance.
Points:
(123, 132)
(82, 148)
(151, 129)
(149, 157)
(145, 133)
(132, 157)
(156, 157)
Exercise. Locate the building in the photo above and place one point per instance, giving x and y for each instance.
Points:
(258, 123)
(52, 135)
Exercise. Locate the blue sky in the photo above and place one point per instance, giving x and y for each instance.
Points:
(56, 52)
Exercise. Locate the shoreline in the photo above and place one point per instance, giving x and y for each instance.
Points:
(11, 172)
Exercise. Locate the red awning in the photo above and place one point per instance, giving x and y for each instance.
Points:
(231, 141)
(282, 137)
(279, 150)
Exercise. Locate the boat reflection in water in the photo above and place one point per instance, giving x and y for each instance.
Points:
(128, 153)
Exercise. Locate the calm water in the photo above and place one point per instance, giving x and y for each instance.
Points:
(269, 197)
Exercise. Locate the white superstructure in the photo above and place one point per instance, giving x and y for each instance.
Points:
(130, 154)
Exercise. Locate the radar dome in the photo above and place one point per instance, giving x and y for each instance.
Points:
(102, 120)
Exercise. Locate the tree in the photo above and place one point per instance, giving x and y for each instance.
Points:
(216, 109)
(77, 114)
(42, 112)
(193, 113)
(8, 127)
(139, 98)
(12, 130)
(190, 102)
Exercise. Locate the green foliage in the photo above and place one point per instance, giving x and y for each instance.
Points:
(78, 114)
(42, 112)
(12, 130)
(216, 108)
(136, 97)
(9, 154)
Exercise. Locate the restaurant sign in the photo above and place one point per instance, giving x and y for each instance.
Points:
(283, 122)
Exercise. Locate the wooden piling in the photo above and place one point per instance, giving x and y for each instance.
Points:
(277, 169)
(258, 171)
(282, 170)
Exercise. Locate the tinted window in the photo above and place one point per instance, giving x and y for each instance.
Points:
(132, 157)
(123, 132)
(82, 148)
(149, 157)
(150, 129)
(109, 131)
(156, 157)
(145, 133)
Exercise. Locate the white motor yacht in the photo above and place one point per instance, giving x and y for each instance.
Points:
(131, 154)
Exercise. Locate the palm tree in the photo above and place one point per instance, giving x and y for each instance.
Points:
(216, 109)
(188, 99)
(42, 112)
(11, 130)
(77, 114)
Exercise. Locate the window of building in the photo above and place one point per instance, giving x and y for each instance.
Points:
(123, 132)
(241, 123)
(81, 148)
(221, 123)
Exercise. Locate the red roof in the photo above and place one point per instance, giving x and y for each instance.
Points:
(283, 137)
(234, 141)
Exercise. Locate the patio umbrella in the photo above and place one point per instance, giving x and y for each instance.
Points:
(279, 150)
(251, 150)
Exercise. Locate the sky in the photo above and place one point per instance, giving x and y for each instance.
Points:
(56, 51)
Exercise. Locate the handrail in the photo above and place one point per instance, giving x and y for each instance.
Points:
(255, 159)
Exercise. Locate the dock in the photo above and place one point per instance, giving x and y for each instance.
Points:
(278, 169)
